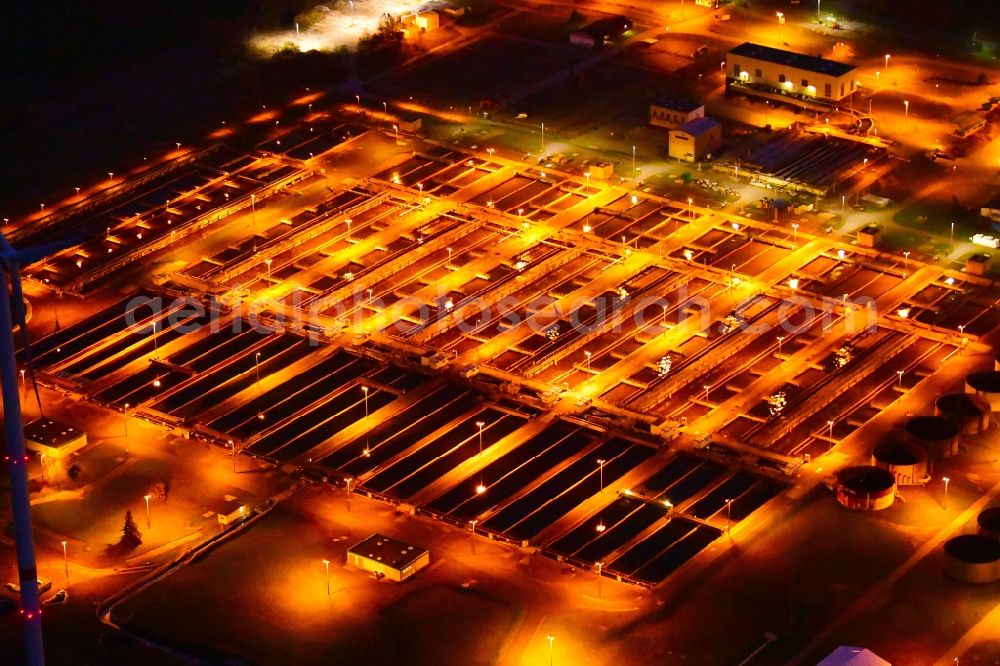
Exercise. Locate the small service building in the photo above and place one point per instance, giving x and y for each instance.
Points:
(695, 139)
(991, 210)
(754, 68)
(229, 509)
(391, 558)
(52, 438)
(410, 124)
(670, 113)
(599, 33)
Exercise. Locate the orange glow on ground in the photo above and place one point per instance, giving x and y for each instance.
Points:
(221, 133)
(426, 110)
(309, 98)
(263, 117)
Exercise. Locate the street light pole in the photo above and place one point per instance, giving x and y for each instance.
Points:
(600, 567)
(256, 368)
(729, 515)
(149, 522)
(65, 562)
(946, 480)
(550, 638)
(600, 468)
(326, 563)
(364, 389)
(480, 424)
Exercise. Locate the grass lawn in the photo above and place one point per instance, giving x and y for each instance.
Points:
(98, 516)
(95, 520)
(936, 217)
(262, 596)
(904, 239)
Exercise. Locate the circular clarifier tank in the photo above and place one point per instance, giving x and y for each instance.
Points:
(906, 461)
(968, 411)
(985, 384)
(937, 434)
(972, 558)
(865, 487)
(989, 522)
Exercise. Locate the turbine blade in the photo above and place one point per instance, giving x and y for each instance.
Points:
(30, 255)
(17, 301)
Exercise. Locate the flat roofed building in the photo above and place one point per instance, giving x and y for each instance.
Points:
(801, 78)
(695, 139)
(968, 123)
(600, 32)
(52, 438)
(601, 170)
(229, 509)
(869, 235)
(670, 113)
(411, 124)
(389, 557)
(991, 210)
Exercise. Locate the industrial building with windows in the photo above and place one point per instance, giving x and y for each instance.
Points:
(695, 140)
(671, 113)
(798, 79)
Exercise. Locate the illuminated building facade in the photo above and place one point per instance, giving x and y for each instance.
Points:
(754, 68)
